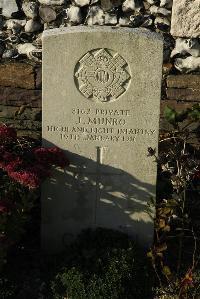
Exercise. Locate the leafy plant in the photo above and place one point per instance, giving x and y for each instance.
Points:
(175, 254)
(103, 264)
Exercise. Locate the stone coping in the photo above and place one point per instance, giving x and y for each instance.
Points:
(124, 30)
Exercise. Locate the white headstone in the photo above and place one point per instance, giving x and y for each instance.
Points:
(101, 104)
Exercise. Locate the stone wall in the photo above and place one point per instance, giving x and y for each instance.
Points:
(22, 24)
(21, 96)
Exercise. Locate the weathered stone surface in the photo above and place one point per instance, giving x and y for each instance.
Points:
(17, 75)
(183, 81)
(23, 112)
(187, 94)
(185, 18)
(102, 107)
(17, 97)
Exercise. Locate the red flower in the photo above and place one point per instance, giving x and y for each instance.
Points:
(9, 162)
(7, 134)
(30, 177)
(13, 165)
(30, 168)
(25, 178)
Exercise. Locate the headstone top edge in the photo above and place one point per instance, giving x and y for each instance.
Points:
(90, 29)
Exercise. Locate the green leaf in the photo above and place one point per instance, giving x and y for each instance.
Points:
(181, 116)
(170, 115)
(166, 270)
(195, 114)
(196, 106)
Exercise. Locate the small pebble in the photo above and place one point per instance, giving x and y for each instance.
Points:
(95, 16)
(33, 26)
(11, 53)
(110, 19)
(25, 49)
(187, 65)
(30, 9)
(152, 1)
(162, 23)
(124, 21)
(8, 8)
(15, 25)
(160, 10)
(82, 3)
(47, 14)
(129, 5)
(166, 3)
(74, 15)
(184, 46)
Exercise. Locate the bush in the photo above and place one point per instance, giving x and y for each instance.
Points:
(176, 250)
(103, 264)
(23, 167)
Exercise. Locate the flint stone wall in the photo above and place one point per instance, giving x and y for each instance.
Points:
(21, 27)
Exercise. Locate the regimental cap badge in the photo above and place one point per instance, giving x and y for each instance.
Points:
(102, 76)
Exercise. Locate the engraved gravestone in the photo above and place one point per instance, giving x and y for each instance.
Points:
(101, 104)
